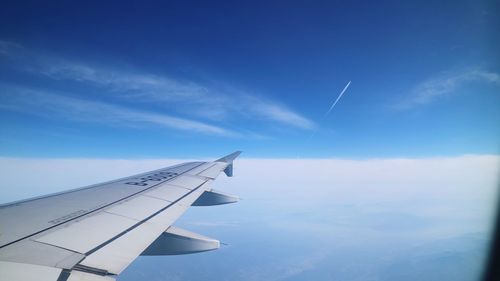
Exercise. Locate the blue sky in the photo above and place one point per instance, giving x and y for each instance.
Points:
(398, 182)
(187, 79)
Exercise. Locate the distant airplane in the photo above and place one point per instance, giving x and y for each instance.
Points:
(93, 233)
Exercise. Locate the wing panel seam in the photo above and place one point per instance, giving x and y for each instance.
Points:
(141, 222)
(98, 209)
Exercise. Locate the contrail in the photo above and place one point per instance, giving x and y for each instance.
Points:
(329, 110)
(326, 114)
(337, 100)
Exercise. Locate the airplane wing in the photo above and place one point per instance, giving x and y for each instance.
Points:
(93, 233)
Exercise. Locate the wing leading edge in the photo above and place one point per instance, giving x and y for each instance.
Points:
(95, 232)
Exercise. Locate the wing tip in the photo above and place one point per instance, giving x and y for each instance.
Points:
(229, 158)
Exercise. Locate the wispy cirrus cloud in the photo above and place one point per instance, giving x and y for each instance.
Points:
(7, 46)
(279, 113)
(155, 88)
(48, 104)
(445, 84)
(206, 100)
(127, 83)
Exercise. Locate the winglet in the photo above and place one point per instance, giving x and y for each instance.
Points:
(229, 160)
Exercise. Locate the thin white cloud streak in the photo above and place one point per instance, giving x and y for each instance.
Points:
(41, 103)
(445, 84)
(189, 97)
(153, 88)
(279, 113)
(338, 98)
(130, 84)
(7, 47)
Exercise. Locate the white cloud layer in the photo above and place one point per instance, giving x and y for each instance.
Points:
(464, 186)
(322, 216)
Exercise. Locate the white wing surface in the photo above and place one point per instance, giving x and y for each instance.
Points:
(95, 232)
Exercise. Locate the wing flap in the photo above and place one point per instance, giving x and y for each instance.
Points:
(168, 192)
(104, 225)
(84, 276)
(115, 256)
(12, 271)
(40, 254)
(187, 181)
(138, 208)
(84, 235)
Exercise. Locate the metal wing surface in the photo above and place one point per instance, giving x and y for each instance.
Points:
(95, 232)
